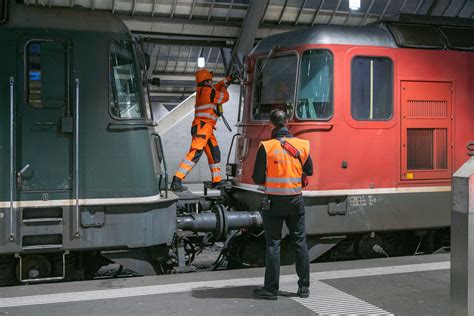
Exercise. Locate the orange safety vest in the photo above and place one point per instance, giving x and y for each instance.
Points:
(283, 174)
(207, 99)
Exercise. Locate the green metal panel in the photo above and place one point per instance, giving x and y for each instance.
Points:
(115, 161)
(41, 103)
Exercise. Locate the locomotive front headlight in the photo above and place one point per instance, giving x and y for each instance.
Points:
(242, 147)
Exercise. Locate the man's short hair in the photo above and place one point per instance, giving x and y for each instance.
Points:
(278, 117)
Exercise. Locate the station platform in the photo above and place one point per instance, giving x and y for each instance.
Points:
(416, 285)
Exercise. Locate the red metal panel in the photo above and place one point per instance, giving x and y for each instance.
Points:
(426, 130)
(372, 151)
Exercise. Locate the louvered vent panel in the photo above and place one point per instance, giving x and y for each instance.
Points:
(420, 148)
(427, 108)
(441, 148)
(417, 36)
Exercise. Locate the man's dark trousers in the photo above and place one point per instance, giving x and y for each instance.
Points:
(273, 226)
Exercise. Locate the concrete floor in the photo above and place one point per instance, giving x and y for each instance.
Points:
(399, 286)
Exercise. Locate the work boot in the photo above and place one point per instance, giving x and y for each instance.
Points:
(303, 292)
(217, 185)
(177, 186)
(264, 294)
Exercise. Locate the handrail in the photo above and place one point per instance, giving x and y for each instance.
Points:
(12, 154)
(165, 168)
(230, 151)
(231, 146)
(132, 123)
(76, 156)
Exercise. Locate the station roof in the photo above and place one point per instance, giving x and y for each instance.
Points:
(176, 32)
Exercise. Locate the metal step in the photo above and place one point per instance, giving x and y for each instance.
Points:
(42, 220)
(31, 280)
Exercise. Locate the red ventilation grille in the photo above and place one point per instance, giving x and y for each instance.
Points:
(420, 148)
(427, 108)
(427, 148)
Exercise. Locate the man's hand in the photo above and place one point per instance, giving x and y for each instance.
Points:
(233, 78)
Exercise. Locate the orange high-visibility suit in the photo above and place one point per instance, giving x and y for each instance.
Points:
(202, 130)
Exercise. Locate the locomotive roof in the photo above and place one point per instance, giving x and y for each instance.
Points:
(328, 34)
(401, 31)
(24, 16)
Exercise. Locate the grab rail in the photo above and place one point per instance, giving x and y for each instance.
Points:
(12, 154)
(230, 151)
(161, 155)
(76, 157)
(131, 124)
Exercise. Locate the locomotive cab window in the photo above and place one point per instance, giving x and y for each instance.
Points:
(46, 74)
(125, 100)
(274, 85)
(372, 88)
(315, 87)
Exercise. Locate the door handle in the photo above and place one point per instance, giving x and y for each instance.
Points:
(19, 175)
(45, 123)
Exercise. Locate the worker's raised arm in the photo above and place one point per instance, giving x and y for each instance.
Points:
(220, 94)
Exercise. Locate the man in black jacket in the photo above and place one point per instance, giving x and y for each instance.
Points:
(284, 208)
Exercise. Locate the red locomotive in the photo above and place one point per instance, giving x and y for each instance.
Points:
(387, 111)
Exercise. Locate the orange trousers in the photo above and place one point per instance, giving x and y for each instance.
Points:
(203, 140)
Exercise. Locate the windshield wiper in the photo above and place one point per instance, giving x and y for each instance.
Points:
(270, 54)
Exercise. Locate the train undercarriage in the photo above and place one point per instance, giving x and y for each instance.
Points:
(233, 220)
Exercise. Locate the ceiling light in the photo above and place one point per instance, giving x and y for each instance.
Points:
(354, 4)
(201, 62)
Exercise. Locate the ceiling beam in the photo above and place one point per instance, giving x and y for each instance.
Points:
(186, 42)
(198, 28)
(180, 77)
(247, 33)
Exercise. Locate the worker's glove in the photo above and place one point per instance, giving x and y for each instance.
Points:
(233, 78)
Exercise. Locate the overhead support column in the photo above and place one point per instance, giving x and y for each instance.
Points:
(462, 241)
(247, 33)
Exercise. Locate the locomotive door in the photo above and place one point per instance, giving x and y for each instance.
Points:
(426, 130)
(44, 116)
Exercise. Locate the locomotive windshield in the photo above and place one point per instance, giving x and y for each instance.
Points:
(315, 86)
(274, 85)
(125, 102)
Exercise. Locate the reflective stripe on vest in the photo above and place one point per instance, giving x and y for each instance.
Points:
(283, 191)
(284, 180)
(205, 107)
(207, 115)
(221, 97)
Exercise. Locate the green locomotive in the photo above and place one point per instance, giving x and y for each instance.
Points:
(82, 168)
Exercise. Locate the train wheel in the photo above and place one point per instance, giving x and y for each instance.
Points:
(368, 246)
(246, 250)
(92, 261)
(7, 270)
(33, 267)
